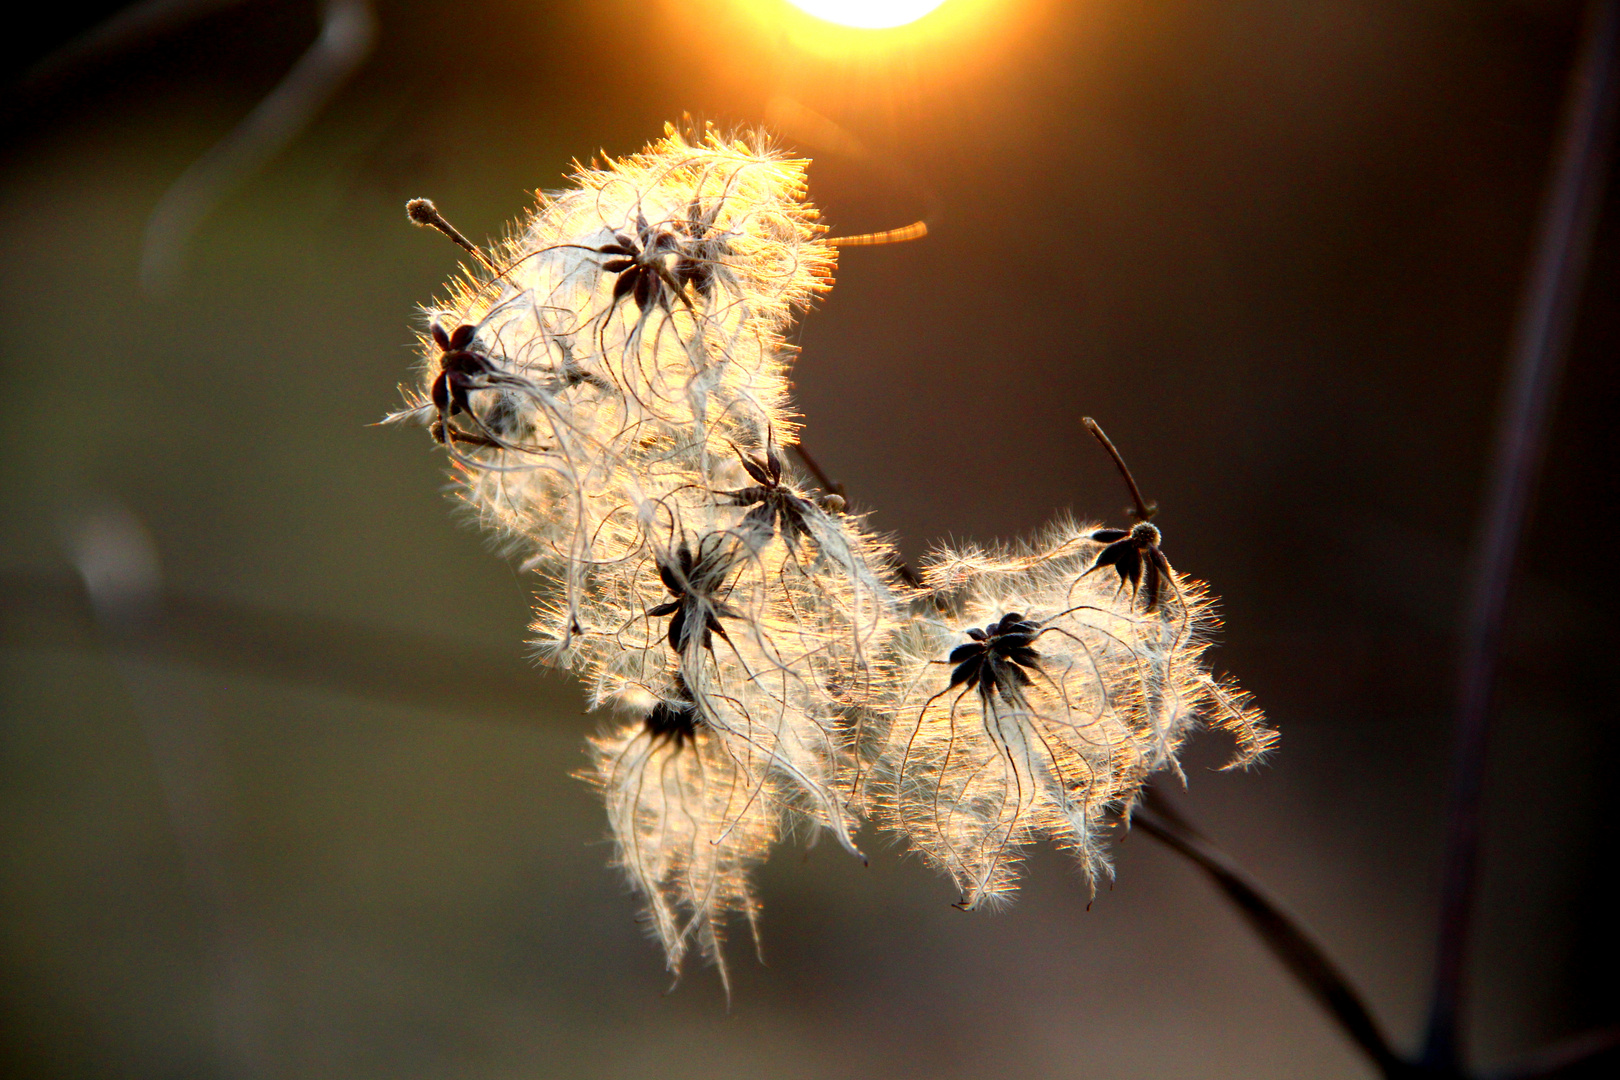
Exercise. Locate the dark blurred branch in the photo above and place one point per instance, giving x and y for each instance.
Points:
(348, 29)
(134, 26)
(1540, 340)
(1281, 932)
(348, 657)
(347, 32)
(122, 581)
(1595, 1054)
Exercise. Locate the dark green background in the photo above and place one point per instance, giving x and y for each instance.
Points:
(1273, 247)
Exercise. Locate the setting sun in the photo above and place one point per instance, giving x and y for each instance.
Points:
(868, 14)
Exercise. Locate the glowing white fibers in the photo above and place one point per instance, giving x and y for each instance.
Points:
(612, 392)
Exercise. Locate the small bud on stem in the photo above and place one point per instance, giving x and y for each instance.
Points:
(1144, 510)
(422, 212)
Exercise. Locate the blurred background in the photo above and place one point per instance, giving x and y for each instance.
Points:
(1274, 247)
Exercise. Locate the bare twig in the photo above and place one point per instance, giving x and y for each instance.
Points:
(1143, 510)
(348, 29)
(1281, 932)
(1540, 340)
(1594, 1054)
(302, 648)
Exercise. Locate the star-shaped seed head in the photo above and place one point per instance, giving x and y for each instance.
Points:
(775, 507)
(996, 659)
(694, 576)
(1135, 555)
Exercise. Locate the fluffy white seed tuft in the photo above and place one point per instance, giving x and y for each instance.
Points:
(611, 386)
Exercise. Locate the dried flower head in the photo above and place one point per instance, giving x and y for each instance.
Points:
(688, 827)
(610, 385)
(1044, 703)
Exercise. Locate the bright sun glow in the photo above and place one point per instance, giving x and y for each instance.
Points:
(868, 14)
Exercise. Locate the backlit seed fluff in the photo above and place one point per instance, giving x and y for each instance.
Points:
(1040, 703)
(611, 387)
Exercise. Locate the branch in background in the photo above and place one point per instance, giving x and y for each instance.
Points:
(348, 29)
(1541, 337)
(1595, 1054)
(130, 28)
(298, 648)
(122, 581)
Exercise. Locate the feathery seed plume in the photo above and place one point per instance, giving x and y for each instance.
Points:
(611, 387)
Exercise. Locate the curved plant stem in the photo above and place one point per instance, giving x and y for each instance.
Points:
(1281, 932)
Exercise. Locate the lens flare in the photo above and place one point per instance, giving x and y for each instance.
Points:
(868, 14)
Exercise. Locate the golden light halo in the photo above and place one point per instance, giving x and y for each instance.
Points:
(868, 14)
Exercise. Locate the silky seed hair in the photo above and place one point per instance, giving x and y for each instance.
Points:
(610, 386)
(971, 773)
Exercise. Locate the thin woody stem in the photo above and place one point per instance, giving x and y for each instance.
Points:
(827, 483)
(422, 212)
(907, 573)
(1281, 932)
(1144, 510)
